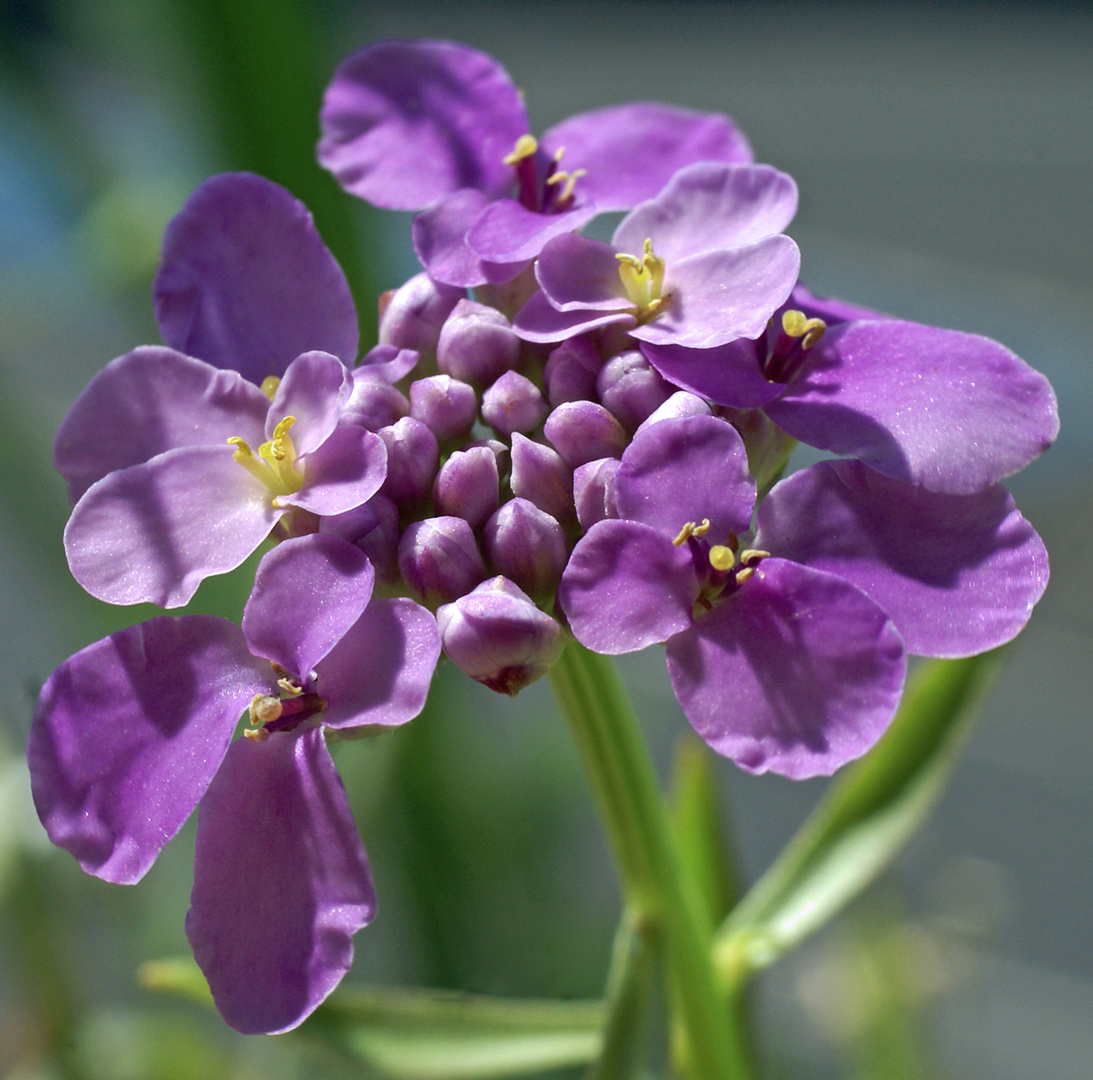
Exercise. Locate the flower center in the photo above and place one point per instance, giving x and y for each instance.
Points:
(797, 336)
(555, 194)
(719, 566)
(274, 464)
(643, 280)
(285, 713)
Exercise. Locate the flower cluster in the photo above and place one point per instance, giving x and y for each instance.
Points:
(591, 445)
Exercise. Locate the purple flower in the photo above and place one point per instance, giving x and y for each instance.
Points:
(788, 656)
(410, 125)
(133, 731)
(701, 264)
(182, 469)
(950, 411)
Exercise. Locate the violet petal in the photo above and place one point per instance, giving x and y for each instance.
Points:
(347, 470)
(507, 232)
(538, 320)
(578, 274)
(314, 390)
(728, 374)
(440, 239)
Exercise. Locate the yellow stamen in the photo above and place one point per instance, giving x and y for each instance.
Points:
(525, 146)
(569, 179)
(274, 464)
(701, 530)
(290, 687)
(270, 384)
(744, 574)
(721, 557)
(264, 708)
(796, 325)
(692, 528)
(750, 556)
(259, 734)
(643, 280)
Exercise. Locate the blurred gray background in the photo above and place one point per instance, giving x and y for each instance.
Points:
(944, 154)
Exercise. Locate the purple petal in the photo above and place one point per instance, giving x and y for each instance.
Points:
(379, 673)
(537, 320)
(957, 574)
(627, 586)
(129, 732)
(680, 471)
(281, 882)
(796, 673)
(440, 239)
(315, 388)
(307, 593)
(829, 309)
(387, 362)
(347, 470)
(153, 532)
(728, 374)
(578, 274)
(148, 401)
(630, 152)
(722, 295)
(679, 406)
(406, 123)
(711, 207)
(246, 283)
(507, 232)
(950, 411)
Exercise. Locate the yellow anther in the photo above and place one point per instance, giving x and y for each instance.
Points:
(525, 146)
(814, 330)
(721, 557)
(274, 462)
(692, 528)
(753, 555)
(270, 384)
(290, 687)
(744, 574)
(559, 154)
(258, 734)
(569, 179)
(796, 325)
(643, 280)
(264, 708)
(701, 530)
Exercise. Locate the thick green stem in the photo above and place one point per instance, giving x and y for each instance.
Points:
(617, 761)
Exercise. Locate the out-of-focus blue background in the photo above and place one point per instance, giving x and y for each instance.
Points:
(944, 154)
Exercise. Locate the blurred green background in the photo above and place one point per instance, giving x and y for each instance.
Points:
(944, 155)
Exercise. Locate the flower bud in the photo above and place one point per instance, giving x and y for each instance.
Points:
(467, 486)
(445, 405)
(631, 388)
(528, 546)
(582, 431)
(477, 344)
(513, 403)
(373, 403)
(540, 476)
(678, 407)
(439, 560)
(594, 491)
(498, 637)
(412, 460)
(373, 527)
(570, 371)
(411, 316)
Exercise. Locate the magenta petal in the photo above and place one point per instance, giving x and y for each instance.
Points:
(708, 207)
(722, 295)
(315, 388)
(129, 732)
(947, 410)
(153, 532)
(627, 586)
(406, 123)
(576, 274)
(728, 375)
(680, 471)
(307, 593)
(379, 673)
(347, 470)
(246, 283)
(148, 401)
(440, 239)
(507, 232)
(957, 574)
(629, 152)
(537, 320)
(281, 882)
(797, 673)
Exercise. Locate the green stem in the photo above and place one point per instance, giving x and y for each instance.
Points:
(617, 761)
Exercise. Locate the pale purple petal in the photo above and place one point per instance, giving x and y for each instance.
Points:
(507, 232)
(307, 593)
(246, 283)
(387, 362)
(129, 732)
(408, 122)
(577, 274)
(947, 410)
(957, 574)
(680, 405)
(828, 308)
(379, 673)
(151, 400)
(537, 320)
(314, 390)
(627, 586)
(440, 239)
(729, 374)
(722, 295)
(629, 152)
(687, 470)
(708, 207)
(152, 532)
(281, 882)
(347, 470)
(797, 673)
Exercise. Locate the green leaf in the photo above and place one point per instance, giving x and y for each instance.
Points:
(445, 1035)
(863, 822)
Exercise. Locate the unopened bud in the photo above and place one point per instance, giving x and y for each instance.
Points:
(540, 476)
(631, 388)
(570, 371)
(412, 316)
(446, 406)
(594, 491)
(412, 460)
(439, 560)
(373, 528)
(678, 407)
(582, 431)
(374, 403)
(477, 344)
(528, 546)
(467, 486)
(513, 403)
